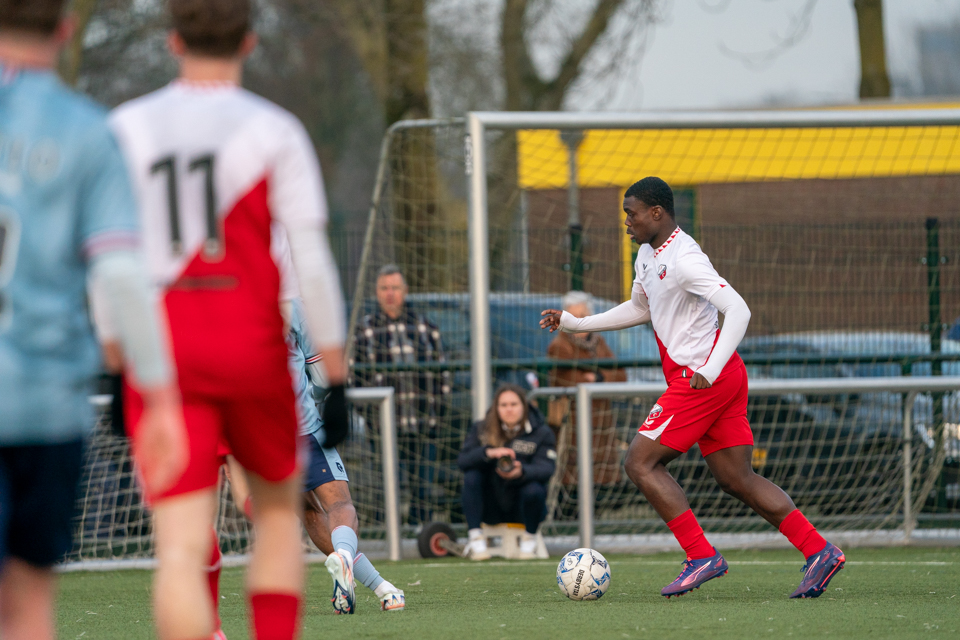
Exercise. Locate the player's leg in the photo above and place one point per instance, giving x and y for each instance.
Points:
(27, 595)
(331, 519)
(329, 509)
(37, 502)
(646, 466)
(677, 421)
(275, 575)
(734, 473)
(262, 434)
(728, 449)
(239, 487)
(182, 546)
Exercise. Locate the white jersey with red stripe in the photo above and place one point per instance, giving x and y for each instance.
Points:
(215, 168)
(677, 279)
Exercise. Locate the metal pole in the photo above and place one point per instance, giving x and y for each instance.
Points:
(573, 139)
(712, 119)
(585, 463)
(908, 466)
(386, 396)
(391, 477)
(480, 373)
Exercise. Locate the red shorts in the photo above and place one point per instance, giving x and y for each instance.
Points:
(261, 433)
(716, 417)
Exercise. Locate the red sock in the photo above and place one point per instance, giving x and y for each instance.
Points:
(275, 615)
(213, 578)
(690, 536)
(802, 534)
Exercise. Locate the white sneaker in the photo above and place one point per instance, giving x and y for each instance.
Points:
(392, 601)
(219, 635)
(477, 550)
(341, 570)
(528, 547)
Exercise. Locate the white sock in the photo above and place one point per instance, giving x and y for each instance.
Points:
(384, 588)
(476, 534)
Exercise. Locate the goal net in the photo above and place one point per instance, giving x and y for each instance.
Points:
(840, 229)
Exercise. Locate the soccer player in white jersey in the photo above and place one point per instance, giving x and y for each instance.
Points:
(214, 166)
(67, 215)
(678, 290)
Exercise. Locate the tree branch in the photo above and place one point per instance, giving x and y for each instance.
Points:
(570, 67)
(72, 55)
(519, 76)
(364, 23)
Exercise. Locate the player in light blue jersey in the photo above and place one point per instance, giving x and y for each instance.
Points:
(66, 215)
(329, 515)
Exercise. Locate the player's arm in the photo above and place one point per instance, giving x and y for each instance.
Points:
(134, 335)
(104, 327)
(697, 276)
(631, 313)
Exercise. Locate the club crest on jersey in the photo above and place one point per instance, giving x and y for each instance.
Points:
(654, 414)
(662, 271)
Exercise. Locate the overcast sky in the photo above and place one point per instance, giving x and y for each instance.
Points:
(688, 62)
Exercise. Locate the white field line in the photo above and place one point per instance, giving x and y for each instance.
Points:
(314, 558)
(670, 563)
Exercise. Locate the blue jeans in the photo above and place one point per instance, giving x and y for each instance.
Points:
(489, 498)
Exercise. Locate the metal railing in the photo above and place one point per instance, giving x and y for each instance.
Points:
(388, 438)
(585, 393)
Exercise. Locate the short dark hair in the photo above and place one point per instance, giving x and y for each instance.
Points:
(388, 270)
(211, 27)
(36, 16)
(652, 191)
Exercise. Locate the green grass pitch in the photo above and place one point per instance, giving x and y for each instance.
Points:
(882, 593)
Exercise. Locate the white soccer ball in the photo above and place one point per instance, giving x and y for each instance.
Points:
(583, 574)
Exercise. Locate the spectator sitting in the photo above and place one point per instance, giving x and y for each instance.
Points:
(607, 447)
(507, 461)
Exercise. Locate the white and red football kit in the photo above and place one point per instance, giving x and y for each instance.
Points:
(675, 288)
(215, 169)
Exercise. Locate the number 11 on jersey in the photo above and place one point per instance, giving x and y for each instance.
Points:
(168, 164)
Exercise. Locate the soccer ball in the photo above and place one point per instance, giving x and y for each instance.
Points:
(583, 574)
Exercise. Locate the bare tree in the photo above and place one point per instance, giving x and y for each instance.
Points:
(874, 79)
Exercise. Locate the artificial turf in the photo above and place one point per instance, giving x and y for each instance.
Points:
(882, 593)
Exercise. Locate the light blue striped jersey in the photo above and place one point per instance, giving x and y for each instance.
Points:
(300, 354)
(64, 198)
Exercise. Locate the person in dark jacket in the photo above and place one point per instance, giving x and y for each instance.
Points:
(507, 461)
(397, 334)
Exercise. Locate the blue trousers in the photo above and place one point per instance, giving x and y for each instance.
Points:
(489, 498)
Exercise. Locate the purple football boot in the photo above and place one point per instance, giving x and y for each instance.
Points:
(818, 571)
(695, 573)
